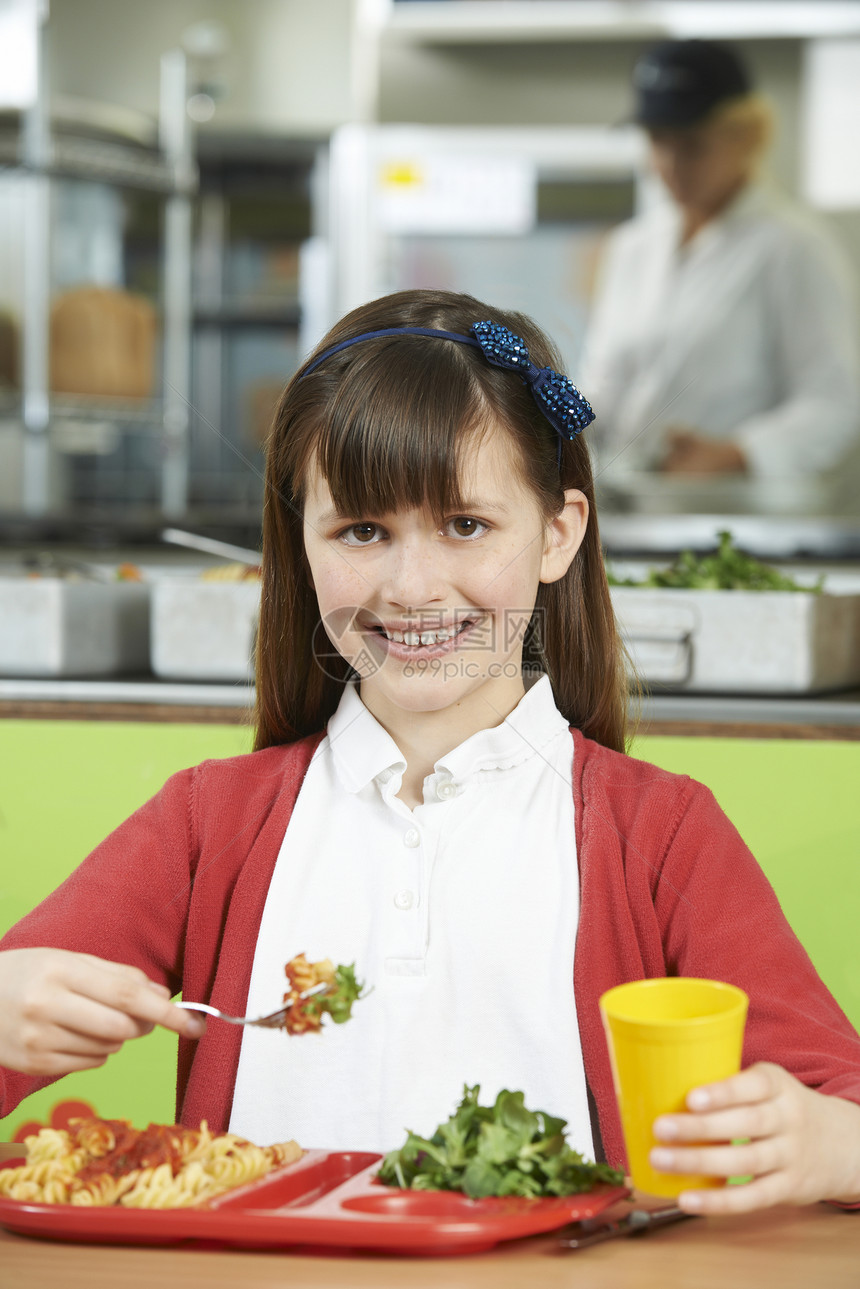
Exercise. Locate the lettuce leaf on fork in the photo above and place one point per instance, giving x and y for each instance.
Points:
(338, 999)
(503, 1149)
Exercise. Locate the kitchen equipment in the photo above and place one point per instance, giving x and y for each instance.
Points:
(54, 626)
(735, 642)
(209, 546)
(204, 630)
(325, 1200)
(637, 1222)
(274, 1020)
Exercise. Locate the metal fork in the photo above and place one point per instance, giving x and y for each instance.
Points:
(273, 1021)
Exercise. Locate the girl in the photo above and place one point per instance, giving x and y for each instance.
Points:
(467, 827)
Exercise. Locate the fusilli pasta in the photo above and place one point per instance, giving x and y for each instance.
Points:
(107, 1161)
(304, 1014)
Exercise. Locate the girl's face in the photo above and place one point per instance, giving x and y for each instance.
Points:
(431, 613)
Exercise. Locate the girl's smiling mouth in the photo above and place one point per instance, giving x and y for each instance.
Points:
(408, 640)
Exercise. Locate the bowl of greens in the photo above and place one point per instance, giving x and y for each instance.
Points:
(723, 622)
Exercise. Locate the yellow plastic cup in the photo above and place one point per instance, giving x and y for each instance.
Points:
(665, 1038)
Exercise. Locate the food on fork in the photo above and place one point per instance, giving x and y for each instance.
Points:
(341, 990)
(98, 1162)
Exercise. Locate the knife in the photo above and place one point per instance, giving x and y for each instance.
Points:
(637, 1222)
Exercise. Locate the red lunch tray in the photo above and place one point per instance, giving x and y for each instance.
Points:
(325, 1199)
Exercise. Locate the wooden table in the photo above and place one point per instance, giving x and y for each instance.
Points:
(790, 1248)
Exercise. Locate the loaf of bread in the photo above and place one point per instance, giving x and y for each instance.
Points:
(103, 343)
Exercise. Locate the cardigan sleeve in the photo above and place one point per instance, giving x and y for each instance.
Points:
(668, 887)
(720, 918)
(127, 902)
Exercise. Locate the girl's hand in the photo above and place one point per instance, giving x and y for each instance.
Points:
(801, 1146)
(62, 1011)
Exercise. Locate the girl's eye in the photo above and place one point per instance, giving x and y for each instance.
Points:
(360, 534)
(465, 526)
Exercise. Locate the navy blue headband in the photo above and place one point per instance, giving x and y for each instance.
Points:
(558, 399)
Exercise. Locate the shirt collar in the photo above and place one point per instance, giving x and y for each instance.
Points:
(525, 732)
(363, 751)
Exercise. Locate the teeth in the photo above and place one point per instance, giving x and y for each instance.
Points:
(425, 637)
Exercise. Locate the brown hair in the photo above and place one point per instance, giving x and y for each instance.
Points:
(385, 421)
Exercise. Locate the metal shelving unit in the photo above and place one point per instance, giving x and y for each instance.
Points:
(103, 162)
(40, 158)
(256, 216)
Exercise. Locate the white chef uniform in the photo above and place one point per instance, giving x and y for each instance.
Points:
(746, 333)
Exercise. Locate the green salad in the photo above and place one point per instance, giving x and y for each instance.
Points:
(503, 1149)
(726, 569)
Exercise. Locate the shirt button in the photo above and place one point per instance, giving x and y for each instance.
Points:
(412, 837)
(446, 790)
(404, 900)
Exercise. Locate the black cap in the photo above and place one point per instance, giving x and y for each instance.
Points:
(678, 82)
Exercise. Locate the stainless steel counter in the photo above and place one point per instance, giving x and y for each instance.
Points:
(145, 698)
(841, 711)
(804, 546)
(145, 691)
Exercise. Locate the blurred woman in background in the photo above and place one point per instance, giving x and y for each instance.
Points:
(723, 337)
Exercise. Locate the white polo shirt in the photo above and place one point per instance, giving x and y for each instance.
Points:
(461, 916)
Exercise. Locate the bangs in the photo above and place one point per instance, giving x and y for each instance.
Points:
(396, 416)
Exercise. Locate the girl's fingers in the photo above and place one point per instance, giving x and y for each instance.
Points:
(763, 1192)
(62, 1011)
(764, 1119)
(755, 1158)
(82, 1022)
(56, 1064)
(754, 1103)
(130, 994)
(53, 1040)
(757, 1083)
(108, 1002)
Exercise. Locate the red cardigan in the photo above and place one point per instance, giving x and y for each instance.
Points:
(667, 888)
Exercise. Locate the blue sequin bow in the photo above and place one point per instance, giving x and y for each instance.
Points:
(556, 396)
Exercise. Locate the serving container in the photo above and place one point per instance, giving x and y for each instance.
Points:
(53, 626)
(204, 630)
(741, 642)
(326, 1199)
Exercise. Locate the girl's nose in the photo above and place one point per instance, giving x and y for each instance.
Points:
(412, 576)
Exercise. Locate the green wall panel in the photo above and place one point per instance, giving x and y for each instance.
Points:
(65, 784)
(796, 803)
